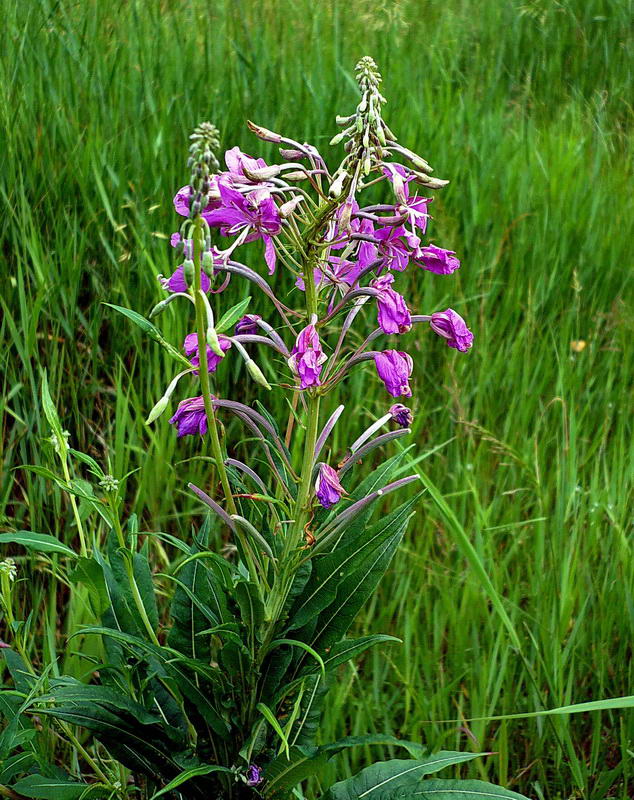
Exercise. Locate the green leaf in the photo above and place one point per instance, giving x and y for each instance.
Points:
(230, 317)
(90, 573)
(269, 716)
(251, 608)
(38, 786)
(50, 412)
(284, 773)
(150, 330)
(388, 776)
(41, 542)
(302, 646)
(288, 770)
(332, 570)
(145, 584)
(187, 774)
(349, 648)
(462, 790)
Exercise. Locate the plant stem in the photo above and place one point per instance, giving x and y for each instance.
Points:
(201, 330)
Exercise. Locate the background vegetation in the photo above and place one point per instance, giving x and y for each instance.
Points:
(527, 108)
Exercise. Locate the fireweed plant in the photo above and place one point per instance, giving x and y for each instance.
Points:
(227, 701)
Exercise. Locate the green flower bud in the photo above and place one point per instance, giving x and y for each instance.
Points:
(212, 341)
(256, 373)
(158, 409)
(188, 271)
(208, 264)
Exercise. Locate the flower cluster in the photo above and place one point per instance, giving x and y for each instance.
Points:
(342, 254)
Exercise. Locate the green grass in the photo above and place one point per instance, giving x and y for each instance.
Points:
(528, 109)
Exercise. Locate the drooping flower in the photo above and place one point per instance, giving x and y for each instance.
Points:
(328, 489)
(254, 775)
(190, 346)
(393, 314)
(453, 328)
(307, 357)
(337, 271)
(248, 324)
(394, 368)
(190, 417)
(436, 259)
(254, 212)
(402, 415)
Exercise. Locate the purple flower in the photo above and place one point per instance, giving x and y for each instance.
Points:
(236, 162)
(402, 415)
(338, 272)
(176, 281)
(435, 259)
(307, 357)
(415, 207)
(190, 346)
(394, 248)
(254, 775)
(182, 199)
(394, 369)
(247, 324)
(255, 212)
(190, 417)
(453, 328)
(327, 487)
(393, 313)
(175, 239)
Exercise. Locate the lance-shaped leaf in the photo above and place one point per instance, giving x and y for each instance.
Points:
(356, 588)
(357, 555)
(49, 788)
(40, 542)
(230, 317)
(197, 585)
(384, 777)
(461, 790)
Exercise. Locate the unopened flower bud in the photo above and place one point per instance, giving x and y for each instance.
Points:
(109, 484)
(158, 409)
(160, 307)
(295, 176)
(188, 271)
(339, 137)
(208, 263)
(214, 343)
(287, 208)
(429, 182)
(263, 174)
(264, 133)
(337, 185)
(291, 155)
(256, 373)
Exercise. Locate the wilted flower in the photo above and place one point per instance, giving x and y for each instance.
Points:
(393, 313)
(254, 775)
(254, 212)
(436, 259)
(402, 415)
(190, 346)
(327, 487)
(190, 417)
(453, 328)
(394, 368)
(248, 324)
(307, 357)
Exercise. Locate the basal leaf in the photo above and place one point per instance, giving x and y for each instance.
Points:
(462, 790)
(41, 542)
(385, 777)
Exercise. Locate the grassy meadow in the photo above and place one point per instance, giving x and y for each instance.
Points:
(526, 444)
